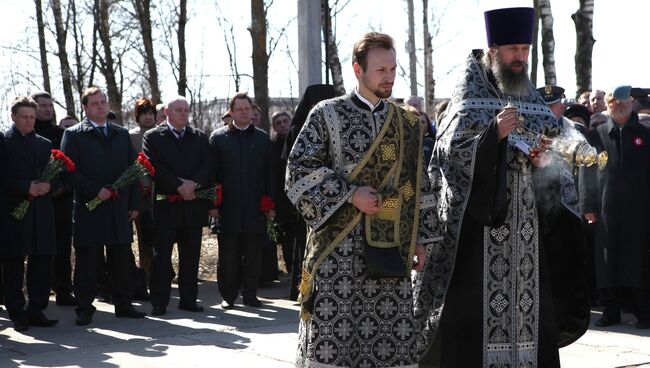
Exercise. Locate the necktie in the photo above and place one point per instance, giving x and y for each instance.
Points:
(102, 128)
(179, 133)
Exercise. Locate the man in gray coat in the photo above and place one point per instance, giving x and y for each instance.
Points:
(101, 151)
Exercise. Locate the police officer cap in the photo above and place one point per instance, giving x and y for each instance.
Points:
(551, 94)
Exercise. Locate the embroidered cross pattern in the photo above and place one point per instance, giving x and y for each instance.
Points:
(411, 118)
(388, 152)
(407, 190)
(499, 303)
(500, 234)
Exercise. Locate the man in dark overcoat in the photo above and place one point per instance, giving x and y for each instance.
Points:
(33, 235)
(62, 276)
(617, 199)
(181, 157)
(242, 160)
(102, 151)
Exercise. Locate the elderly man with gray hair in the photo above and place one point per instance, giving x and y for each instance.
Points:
(180, 155)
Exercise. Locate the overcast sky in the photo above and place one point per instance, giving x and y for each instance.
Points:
(620, 55)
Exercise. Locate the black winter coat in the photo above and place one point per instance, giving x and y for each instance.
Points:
(243, 164)
(100, 160)
(619, 195)
(188, 158)
(26, 158)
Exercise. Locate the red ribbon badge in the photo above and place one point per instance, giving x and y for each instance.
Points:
(638, 141)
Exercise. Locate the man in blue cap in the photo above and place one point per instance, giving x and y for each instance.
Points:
(617, 200)
(483, 299)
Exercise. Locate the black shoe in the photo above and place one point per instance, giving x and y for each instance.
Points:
(606, 321)
(129, 312)
(252, 302)
(642, 325)
(38, 319)
(227, 305)
(21, 325)
(142, 296)
(65, 299)
(190, 307)
(85, 316)
(158, 311)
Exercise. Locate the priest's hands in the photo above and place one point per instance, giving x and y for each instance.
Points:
(506, 122)
(366, 200)
(420, 257)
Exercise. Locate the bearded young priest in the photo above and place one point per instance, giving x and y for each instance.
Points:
(354, 173)
(483, 298)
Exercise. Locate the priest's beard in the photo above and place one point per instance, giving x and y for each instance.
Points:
(509, 81)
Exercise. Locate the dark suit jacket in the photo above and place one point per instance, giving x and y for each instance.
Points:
(100, 160)
(34, 234)
(243, 164)
(188, 158)
(4, 212)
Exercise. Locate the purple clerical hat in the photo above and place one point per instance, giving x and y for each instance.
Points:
(509, 26)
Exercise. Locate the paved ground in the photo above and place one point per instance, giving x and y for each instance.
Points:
(243, 337)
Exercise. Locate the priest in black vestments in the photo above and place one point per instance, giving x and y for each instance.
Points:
(483, 299)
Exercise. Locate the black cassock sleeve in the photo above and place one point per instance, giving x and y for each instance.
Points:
(488, 203)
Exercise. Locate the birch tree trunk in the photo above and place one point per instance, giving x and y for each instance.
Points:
(182, 53)
(332, 50)
(413, 72)
(258, 31)
(584, 20)
(429, 82)
(534, 53)
(548, 42)
(66, 75)
(143, 12)
(42, 46)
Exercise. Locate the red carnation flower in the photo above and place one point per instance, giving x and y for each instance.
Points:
(266, 204)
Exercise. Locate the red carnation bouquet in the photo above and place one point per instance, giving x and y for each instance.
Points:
(140, 168)
(213, 194)
(272, 227)
(58, 162)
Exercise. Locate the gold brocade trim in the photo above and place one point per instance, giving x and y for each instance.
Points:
(407, 190)
(411, 118)
(357, 169)
(388, 152)
(418, 189)
(390, 203)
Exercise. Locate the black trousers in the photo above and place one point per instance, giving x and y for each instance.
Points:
(300, 241)
(189, 252)
(38, 284)
(119, 261)
(144, 227)
(62, 280)
(614, 299)
(240, 258)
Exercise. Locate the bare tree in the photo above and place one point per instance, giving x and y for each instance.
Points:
(410, 48)
(231, 48)
(584, 20)
(258, 31)
(143, 12)
(61, 38)
(331, 49)
(182, 54)
(429, 82)
(42, 45)
(548, 42)
(534, 52)
(108, 64)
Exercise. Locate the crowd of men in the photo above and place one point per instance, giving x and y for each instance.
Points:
(510, 239)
